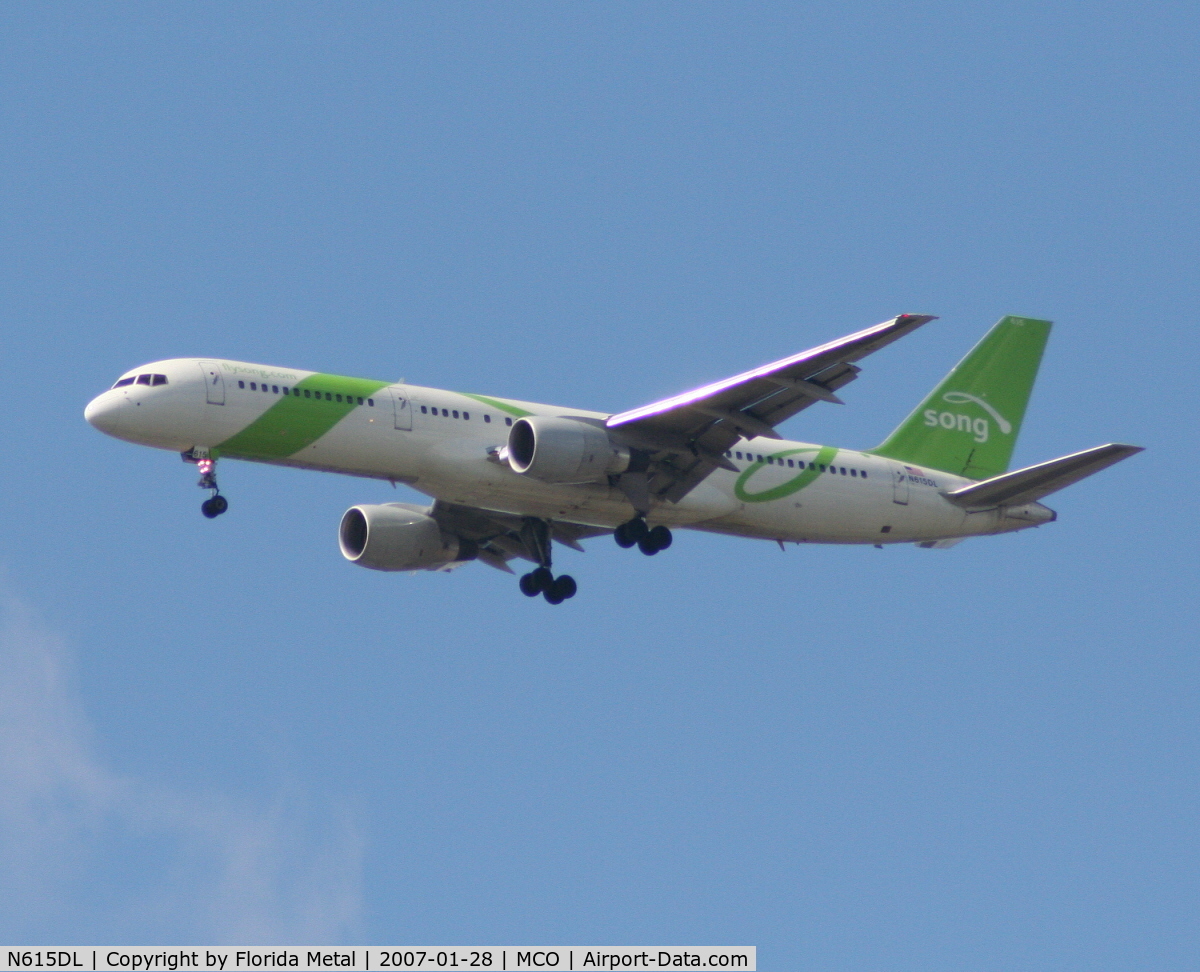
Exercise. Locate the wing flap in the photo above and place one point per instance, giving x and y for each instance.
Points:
(1032, 483)
(501, 536)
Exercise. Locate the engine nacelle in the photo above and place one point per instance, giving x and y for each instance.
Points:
(397, 536)
(563, 450)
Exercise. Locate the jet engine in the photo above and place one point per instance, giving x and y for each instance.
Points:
(399, 536)
(563, 450)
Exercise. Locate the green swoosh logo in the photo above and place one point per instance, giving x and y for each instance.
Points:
(824, 456)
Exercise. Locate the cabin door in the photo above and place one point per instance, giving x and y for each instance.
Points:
(214, 382)
(899, 484)
(403, 407)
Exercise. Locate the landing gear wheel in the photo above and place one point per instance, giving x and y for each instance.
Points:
(529, 586)
(551, 597)
(214, 506)
(543, 578)
(564, 587)
(631, 532)
(657, 539)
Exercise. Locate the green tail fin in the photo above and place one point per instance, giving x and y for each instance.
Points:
(968, 425)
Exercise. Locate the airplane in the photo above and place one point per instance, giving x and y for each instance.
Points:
(510, 478)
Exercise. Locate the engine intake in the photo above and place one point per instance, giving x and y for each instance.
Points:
(398, 536)
(563, 450)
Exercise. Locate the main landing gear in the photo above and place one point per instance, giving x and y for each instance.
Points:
(554, 589)
(216, 504)
(535, 536)
(649, 540)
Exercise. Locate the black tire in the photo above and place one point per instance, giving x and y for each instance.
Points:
(647, 547)
(621, 535)
(544, 578)
(636, 529)
(529, 586)
(564, 587)
(220, 504)
(660, 536)
(551, 597)
(209, 510)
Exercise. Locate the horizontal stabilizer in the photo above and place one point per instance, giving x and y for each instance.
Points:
(1032, 483)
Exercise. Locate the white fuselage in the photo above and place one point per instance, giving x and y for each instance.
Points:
(410, 434)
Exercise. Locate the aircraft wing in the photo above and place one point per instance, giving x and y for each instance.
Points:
(687, 435)
(1032, 483)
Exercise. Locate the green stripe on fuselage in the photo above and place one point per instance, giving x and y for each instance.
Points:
(295, 422)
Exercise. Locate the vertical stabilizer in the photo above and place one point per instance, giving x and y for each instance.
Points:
(968, 425)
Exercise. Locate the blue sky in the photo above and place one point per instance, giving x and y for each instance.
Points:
(221, 732)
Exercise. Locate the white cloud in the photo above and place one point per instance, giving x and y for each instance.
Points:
(87, 853)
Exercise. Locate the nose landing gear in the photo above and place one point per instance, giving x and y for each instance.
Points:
(216, 504)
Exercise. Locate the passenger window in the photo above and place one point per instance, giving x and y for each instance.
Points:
(863, 474)
(738, 454)
(508, 421)
(760, 458)
(466, 416)
(285, 389)
(296, 392)
(253, 386)
(456, 413)
(445, 413)
(307, 393)
(275, 390)
(143, 379)
(339, 398)
(371, 402)
(241, 384)
(159, 380)
(800, 463)
(329, 396)
(424, 410)
(265, 388)
(822, 465)
(486, 417)
(123, 382)
(843, 470)
(790, 464)
(360, 400)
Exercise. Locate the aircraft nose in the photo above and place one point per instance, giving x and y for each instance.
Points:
(105, 412)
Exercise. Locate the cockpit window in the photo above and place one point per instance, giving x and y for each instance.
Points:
(123, 382)
(143, 379)
(159, 379)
